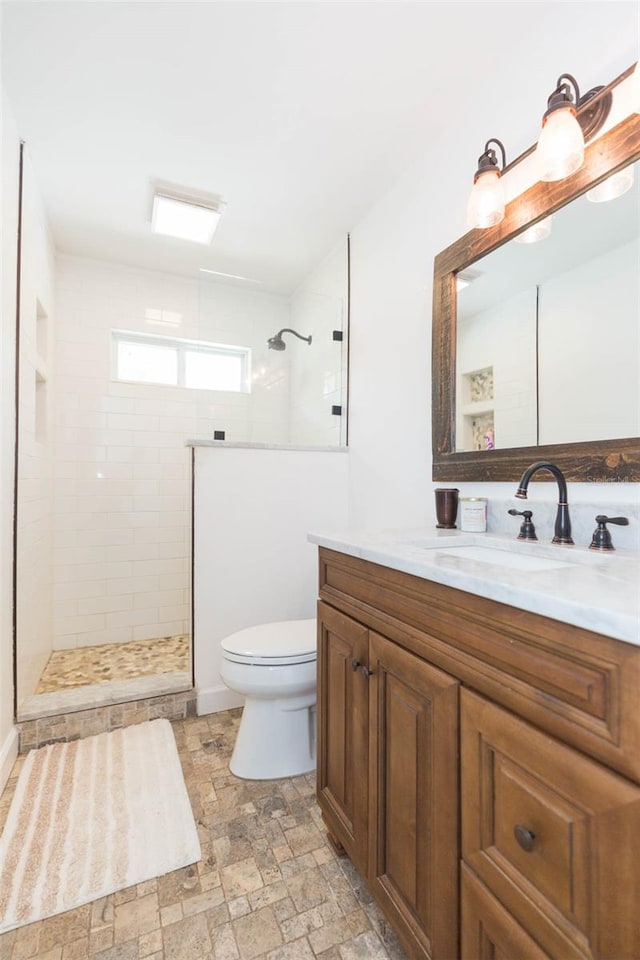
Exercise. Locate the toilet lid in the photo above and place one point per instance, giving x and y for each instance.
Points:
(284, 642)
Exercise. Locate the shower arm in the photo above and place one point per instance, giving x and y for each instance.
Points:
(294, 332)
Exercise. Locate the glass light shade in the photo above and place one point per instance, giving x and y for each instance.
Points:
(560, 149)
(486, 201)
(537, 231)
(612, 187)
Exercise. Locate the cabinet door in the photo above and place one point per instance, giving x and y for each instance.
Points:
(343, 734)
(413, 790)
(488, 931)
(552, 834)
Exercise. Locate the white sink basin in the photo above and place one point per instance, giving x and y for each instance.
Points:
(503, 558)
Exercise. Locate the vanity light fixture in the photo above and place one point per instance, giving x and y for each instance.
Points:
(185, 218)
(614, 186)
(537, 231)
(570, 119)
(485, 207)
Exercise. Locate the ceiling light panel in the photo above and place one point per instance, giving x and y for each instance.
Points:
(173, 217)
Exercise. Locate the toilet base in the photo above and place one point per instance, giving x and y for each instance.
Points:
(277, 738)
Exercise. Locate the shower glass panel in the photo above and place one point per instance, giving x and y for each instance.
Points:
(103, 492)
(296, 393)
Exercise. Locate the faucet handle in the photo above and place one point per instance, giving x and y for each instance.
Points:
(601, 539)
(527, 530)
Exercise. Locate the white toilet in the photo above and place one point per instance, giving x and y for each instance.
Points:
(274, 666)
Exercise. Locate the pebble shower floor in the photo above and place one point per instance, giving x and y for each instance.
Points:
(114, 661)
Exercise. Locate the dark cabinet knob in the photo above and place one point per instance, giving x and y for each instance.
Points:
(355, 664)
(366, 672)
(526, 838)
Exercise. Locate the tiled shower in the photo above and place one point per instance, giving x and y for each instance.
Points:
(120, 511)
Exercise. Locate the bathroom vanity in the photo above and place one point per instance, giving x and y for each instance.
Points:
(479, 742)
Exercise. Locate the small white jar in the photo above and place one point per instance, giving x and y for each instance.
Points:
(473, 514)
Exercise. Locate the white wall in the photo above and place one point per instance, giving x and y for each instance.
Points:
(319, 307)
(35, 465)
(253, 564)
(394, 247)
(9, 151)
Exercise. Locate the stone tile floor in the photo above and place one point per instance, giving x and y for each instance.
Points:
(114, 661)
(268, 887)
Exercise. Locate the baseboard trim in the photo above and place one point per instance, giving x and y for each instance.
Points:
(216, 699)
(8, 755)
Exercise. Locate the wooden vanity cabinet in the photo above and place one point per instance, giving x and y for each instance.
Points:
(434, 725)
(388, 776)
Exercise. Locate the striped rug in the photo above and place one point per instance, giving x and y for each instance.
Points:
(92, 817)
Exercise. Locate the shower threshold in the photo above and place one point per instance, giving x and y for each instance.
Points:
(103, 694)
(83, 678)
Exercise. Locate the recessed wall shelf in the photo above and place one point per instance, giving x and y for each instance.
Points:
(477, 409)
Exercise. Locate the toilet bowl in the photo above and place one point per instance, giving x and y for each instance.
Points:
(273, 665)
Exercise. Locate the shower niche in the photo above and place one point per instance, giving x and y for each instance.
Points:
(477, 414)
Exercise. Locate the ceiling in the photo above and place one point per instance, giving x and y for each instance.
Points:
(300, 115)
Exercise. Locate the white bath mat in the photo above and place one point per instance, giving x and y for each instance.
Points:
(92, 817)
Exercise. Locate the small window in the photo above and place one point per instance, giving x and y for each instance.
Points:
(147, 362)
(167, 361)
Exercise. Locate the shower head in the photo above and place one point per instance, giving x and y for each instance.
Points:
(277, 343)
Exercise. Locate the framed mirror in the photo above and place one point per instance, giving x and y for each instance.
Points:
(533, 345)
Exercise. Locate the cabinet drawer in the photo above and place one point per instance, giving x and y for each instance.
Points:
(550, 832)
(488, 931)
(577, 685)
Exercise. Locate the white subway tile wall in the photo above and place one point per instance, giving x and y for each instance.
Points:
(122, 493)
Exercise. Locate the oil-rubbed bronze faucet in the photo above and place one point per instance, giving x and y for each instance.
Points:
(562, 531)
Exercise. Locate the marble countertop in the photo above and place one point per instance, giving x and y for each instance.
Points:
(586, 588)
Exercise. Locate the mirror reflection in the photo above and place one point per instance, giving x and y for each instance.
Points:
(547, 348)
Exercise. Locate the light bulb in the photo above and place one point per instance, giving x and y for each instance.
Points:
(614, 186)
(486, 200)
(560, 149)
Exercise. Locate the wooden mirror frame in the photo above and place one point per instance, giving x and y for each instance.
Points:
(588, 461)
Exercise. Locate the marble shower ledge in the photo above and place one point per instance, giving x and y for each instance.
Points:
(103, 694)
(595, 591)
(250, 445)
